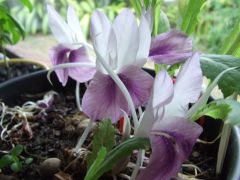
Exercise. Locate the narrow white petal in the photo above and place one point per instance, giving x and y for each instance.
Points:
(162, 89)
(75, 26)
(144, 42)
(58, 26)
(127, 33)
(187, 88)
(100, 31)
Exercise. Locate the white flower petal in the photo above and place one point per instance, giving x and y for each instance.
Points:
(75, 26)
(127, 33)
(144, 42)
(58, 26)
(187, 88)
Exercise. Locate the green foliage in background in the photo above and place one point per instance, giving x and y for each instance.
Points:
(37, 21)
(216, 21)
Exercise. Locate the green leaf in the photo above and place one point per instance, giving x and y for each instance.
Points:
(191, 14)
(233, 117)
(173, 68)
(16, 166)
(214, 110)
(27, 4)
(28, 160)
(164, 24)
(212, 65)
(98, 161)
(121, 151)
(147, 3)
(17, 150)
(137, 6)
(231, 43)
(104, 136)
(6, 160)
(156, 17)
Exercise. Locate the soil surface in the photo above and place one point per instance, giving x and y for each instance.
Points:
(16, 70)
(55, 131)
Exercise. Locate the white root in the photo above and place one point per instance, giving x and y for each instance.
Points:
(28, 109)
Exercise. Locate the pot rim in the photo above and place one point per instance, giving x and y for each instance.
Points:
(27, 61)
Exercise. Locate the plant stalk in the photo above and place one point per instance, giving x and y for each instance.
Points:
(226, 132)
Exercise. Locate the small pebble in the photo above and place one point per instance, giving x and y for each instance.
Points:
(49, 167)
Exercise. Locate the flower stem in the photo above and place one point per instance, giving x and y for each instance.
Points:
(77, 94)
(138, 164)
(226, 132)
(83, 137)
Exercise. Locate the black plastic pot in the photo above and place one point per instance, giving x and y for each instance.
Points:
(37, 82)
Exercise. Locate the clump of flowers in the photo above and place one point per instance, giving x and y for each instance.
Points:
(116, 85)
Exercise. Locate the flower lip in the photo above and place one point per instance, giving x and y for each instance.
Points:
(65, 53)
(102, 89)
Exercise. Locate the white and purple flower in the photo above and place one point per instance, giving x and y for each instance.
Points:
(165, 121)
(124, 46)
(70, 49)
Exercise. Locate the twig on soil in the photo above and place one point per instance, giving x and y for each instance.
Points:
(196, 168)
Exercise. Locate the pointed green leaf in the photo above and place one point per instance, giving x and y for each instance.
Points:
(136, 6)
(214, 110)
(233, 117)
(232, 42)
(212, 65)
(104, 136)
(28, 4)
(122, 150)
(164, 24)
(98, 161)
(17, 150)
(190, 20)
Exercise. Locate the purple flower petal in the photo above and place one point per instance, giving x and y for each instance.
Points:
(80, 74)
(103, 99)
(172, 141)
(58, 55)
(65, 53)
(139, 84)
(170, 48)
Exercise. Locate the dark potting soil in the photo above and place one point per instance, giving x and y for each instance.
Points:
(16, 70)
(55, 134)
